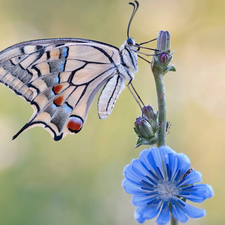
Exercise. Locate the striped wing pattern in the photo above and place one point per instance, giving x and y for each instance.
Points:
(60, 78)
(109, 95)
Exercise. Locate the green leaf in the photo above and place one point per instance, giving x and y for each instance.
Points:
(143, 141)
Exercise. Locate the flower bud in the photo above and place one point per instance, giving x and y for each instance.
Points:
(163, 58)
(143, 128)
(148, 112)
(146, 127)
(163, 41)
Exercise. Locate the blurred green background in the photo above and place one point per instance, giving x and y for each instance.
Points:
(78, 180)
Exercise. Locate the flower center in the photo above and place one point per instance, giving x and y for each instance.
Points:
(167, 189)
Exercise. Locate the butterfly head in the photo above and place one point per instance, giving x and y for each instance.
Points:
(132, 44)
(130, 41)
(128, 51)
(129, 44)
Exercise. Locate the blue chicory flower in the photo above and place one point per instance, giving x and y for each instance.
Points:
(161, 181)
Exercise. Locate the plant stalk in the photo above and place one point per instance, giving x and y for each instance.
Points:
(173, 221)
(160, 88)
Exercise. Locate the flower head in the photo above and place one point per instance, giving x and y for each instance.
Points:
(161, 181)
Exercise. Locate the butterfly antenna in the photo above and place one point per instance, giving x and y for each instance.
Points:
(135, 4)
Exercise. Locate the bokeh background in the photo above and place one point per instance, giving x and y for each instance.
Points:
(78, 180)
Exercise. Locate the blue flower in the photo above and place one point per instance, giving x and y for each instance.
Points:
(161, 181)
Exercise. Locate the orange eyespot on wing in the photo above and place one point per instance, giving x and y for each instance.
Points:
(58, 101)
(75, 124)
(56, 89)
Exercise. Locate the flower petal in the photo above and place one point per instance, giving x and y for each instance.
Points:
(148, 212)
(148, 167)
(164, 215)
(132, 188)
(184, 165)
(165, 150)
(129, 173)
(153, 210)
(140, 200)
(191, 178)
(134, 175)
(178, 213)
(139, 217)
(165, 153)
(197, 193)
(155, 160)
(173, 165)
(184, 158)
(190, 210)
(144, 159)
(138, 168)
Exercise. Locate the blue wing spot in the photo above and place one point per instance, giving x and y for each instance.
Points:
(67, 108)
(65, 52)
(57, 79)
(62, 66)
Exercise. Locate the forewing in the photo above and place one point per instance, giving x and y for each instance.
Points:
(60, 78)
(109, 95)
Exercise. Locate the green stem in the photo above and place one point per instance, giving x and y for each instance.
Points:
(173, 220)
(161, 107)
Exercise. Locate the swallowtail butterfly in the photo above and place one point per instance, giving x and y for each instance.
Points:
(61, 77)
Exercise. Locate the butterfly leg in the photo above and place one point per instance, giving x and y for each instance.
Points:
(135, 94)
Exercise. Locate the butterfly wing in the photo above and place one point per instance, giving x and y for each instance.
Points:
(59, 78)
(109, 95)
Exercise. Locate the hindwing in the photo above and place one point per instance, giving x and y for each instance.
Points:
(109, 95)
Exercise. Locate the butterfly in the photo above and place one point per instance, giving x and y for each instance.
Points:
(61, 77)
